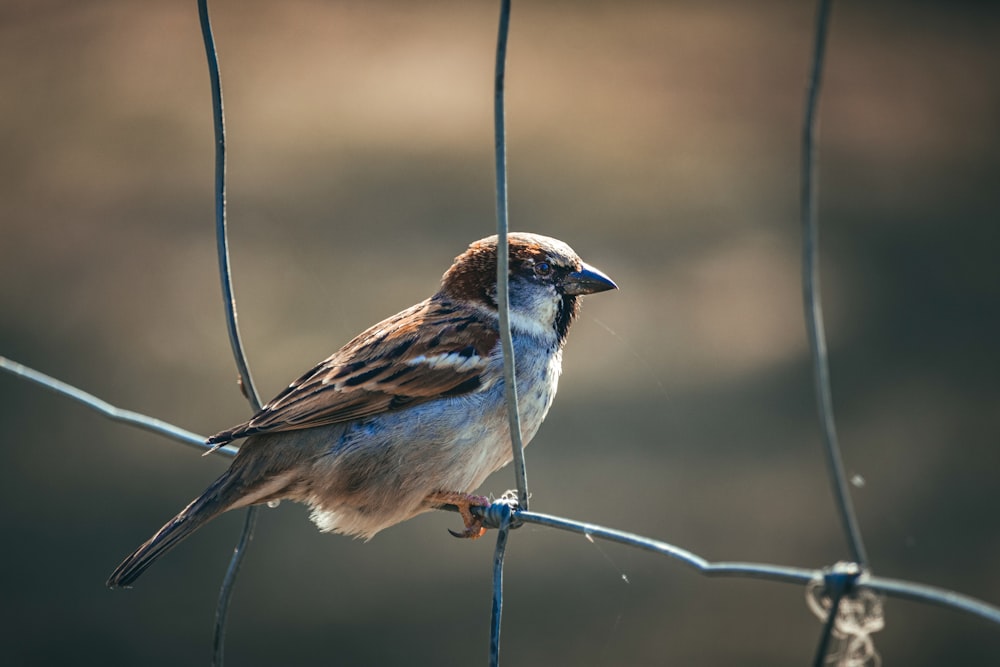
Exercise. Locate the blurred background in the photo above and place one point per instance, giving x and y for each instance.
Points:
(661, 140)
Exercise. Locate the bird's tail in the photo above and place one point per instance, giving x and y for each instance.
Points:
(224, 494)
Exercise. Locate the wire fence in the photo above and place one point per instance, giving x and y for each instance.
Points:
(845, 596)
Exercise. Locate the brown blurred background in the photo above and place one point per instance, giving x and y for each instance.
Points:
(661, 140)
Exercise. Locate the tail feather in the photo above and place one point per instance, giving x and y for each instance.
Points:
(221, 496)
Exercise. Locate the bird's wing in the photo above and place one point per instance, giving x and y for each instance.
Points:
(431, 350)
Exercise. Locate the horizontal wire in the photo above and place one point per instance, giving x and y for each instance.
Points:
(941, 597)
(720, 569)
(897, 588)
(129, 417)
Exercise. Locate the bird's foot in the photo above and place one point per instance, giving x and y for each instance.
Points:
(463, 501)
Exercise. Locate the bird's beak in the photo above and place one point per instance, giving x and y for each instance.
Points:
(587, 280)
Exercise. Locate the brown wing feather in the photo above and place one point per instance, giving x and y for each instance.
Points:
(393, 364)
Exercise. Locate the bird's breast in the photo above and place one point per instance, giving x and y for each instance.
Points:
(537, 372)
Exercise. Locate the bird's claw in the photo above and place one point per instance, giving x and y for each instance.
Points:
(471, 532)
(463, 501)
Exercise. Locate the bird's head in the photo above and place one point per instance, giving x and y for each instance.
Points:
(546, 280)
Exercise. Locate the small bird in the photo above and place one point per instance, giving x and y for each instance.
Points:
(410, 415)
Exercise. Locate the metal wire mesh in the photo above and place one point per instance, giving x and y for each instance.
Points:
(829, 590)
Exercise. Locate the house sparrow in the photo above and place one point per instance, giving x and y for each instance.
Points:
(410, 415)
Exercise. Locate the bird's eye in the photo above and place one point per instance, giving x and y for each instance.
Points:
(543, 268)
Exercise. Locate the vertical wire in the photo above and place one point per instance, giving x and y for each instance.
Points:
(506, 340)
(497, 607)
(824, 639)
(232, 326)
(222, 236)
(811, 297)
(503, 259)
(228, 584)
